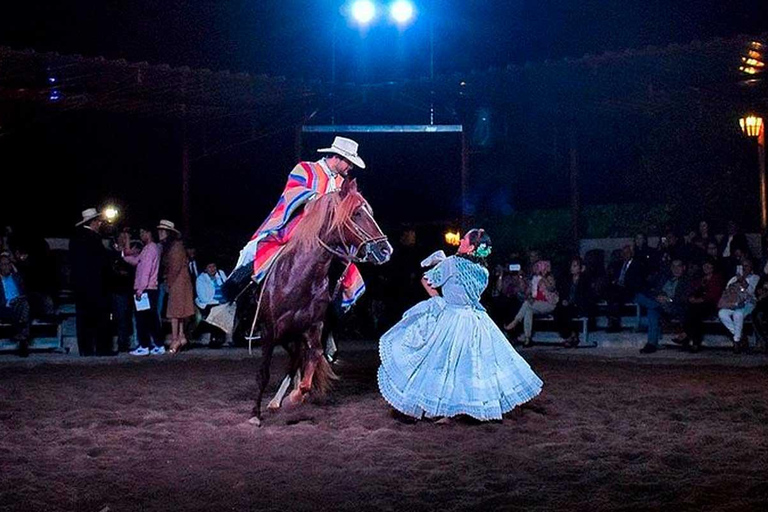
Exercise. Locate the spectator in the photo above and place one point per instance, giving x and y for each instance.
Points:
(702, 304)
(147, 263)
(575, 300)
(14, 306)
(90, 265)
(738, 301)
(713, 255)
(760, 313)
(541, 298)
(506, 293)
(626, 279)
(33, 261)
(668, 298)
(208, 286)
(670, 249)
(702, 235)
(121, 280)
(735, 240)
(644, 255)
(176, 271)
(194, 272)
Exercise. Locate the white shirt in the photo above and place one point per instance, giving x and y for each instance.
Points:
(206, 288)
(331, 175)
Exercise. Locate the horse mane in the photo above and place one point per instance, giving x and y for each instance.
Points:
(317, 214)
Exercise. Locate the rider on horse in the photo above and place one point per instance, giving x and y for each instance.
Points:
(307, 181)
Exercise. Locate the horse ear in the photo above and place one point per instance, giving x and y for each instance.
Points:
(348, 186)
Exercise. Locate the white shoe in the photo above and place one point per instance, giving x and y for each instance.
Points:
(157, 351)
(140, 351)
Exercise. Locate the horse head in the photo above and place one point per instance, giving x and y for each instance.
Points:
(355, 228)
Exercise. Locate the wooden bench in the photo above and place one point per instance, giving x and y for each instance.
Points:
(44, 335)
(583, 322)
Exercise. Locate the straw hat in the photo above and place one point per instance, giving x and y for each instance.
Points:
(168, 226)
(346, 148)
(88, 216)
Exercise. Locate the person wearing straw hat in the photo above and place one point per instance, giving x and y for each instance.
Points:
(307, 181)
(175, 265)
(90, 264)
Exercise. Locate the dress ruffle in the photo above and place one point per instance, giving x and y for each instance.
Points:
(444, 360)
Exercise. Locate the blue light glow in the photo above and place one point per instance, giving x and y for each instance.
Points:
(401, 11)
(363, 11)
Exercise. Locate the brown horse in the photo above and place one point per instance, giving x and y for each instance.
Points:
(296, 293)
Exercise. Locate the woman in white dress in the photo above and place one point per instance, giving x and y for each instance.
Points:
(446, 356)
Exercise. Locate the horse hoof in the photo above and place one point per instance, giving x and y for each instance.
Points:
(273, 406)
(255, 421)
(296, 397)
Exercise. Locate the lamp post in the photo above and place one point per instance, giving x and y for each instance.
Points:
(753, 127)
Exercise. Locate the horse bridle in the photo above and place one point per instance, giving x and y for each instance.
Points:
(364, 238)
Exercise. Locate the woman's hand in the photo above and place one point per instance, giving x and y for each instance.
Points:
(432, 292)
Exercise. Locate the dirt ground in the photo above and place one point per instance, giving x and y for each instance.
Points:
(172, 434)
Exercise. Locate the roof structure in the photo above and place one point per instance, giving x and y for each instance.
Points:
(137, 88)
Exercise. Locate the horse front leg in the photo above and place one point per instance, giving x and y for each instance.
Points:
(314, 351)
(262, 381)
(293, 373)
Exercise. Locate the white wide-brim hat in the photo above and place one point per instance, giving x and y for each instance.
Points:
(89, 215)
(168, 226)
(347, 148)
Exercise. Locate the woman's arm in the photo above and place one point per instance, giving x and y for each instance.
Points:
(431, 291)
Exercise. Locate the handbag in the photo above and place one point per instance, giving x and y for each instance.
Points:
(733, 297)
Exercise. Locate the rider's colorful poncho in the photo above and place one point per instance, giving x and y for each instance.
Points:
(307, 181)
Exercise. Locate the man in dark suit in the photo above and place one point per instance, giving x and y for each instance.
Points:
(14, 306)
(627, 277)
(668, 297)
(89, 260)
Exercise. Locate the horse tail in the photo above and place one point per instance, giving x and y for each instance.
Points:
(324, 376)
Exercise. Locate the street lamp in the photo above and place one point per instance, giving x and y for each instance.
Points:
(753, 127)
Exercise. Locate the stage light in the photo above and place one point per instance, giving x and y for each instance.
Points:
(363, 11)
(111, 213)
(401, 12)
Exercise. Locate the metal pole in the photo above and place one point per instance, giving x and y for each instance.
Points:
(432, 64)
(185, 181)
(574, 180)
(763, 193)
(464, 179)
(333, 69)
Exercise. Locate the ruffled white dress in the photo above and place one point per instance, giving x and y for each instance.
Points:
(447, 357)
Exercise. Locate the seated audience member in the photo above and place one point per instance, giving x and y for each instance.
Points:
(738, 301)
(541, 298)
(575, 300)
(209, 294)
(670, 249)
(644, 255)
(713, 254)
(505, 290)
(702, 235)
(668, 297)
(760, 313)
(702, 304)
(14, 306)
(734, 240)
(626, 278)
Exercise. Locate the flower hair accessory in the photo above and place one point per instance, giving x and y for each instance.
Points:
(482, 250)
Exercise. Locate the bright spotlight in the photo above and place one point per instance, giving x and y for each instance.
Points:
(363, 11)
(401, 11)
(111, 213)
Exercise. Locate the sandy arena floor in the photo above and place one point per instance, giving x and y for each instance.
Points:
(607, 433)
